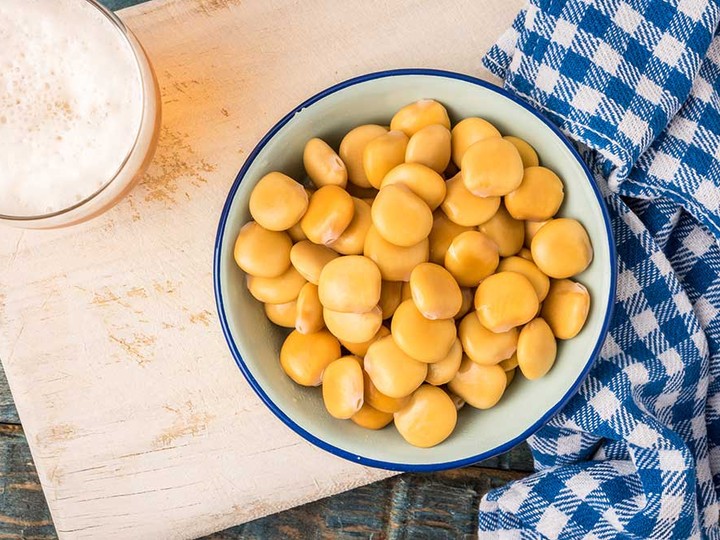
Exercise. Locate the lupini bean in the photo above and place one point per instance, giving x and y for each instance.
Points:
(467, 132)
(277, 290)
(464, 208)
(507, 232)
(421, 338)
(540, 282)
(468, 297)
(323, 165)
(329, 213)
(392, 371)
(282, 314)
(370, 418)
(309, 310)
(435, 292)
(342, 387)
(480, 386)
(395, 262)
(561, 248)
(537, 349)
(527, 153)
(566, 308)
(421, 180)
(360, 349)
(414, 117)
(304, 357)
(262, 253)
(353, 327)
(351, 152)
(309, 259)
(441, 235)
(376, 399)
(350, 284)
(401, 217)
(492, 168)
(428, 419)
(538, 197)
(277, 202)
(390, 297)
(352, 240)
(430, 146)
(505, 300)
(483, 346)
(471, 257)
(382, 154)
(531, 229)
(443, 371)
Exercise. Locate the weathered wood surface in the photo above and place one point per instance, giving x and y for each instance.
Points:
(128, 396)
(437, 505)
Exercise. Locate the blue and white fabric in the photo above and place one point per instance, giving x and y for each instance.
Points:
(636, 85)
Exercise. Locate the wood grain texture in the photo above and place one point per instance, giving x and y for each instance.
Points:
(8, 413)
(129, 398)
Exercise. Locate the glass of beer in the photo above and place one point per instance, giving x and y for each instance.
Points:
(79, 111)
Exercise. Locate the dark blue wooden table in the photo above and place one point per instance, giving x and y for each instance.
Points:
(439, 505)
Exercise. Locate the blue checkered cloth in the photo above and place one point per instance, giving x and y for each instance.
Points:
(636, 85)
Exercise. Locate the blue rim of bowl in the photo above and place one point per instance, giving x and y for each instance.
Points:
(408, 467)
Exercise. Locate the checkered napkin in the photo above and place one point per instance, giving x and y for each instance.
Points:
(636, 85)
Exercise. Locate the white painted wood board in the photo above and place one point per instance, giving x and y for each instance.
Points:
(140, 423)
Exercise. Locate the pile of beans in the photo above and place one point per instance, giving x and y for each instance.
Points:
(419, 270)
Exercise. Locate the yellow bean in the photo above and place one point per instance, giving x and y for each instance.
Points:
(421, 338)
(342, 387)
(531, 229)
(471, 257)
(467, 132)
(457, 400)
(505, 300)
(370, 418)
(350, 284)
(468, 295)
(507, 232)
(362, 192)
(428, 419)
(425, 112)
(480, 386)
(441, 235)
(383, 154)
(376, 399)
(360, 349)
(323, 165)
(525, 254)
(430, 146)
(435, 292)
(539, 281)
(309, 259)
(566, 308)
(443, 371)
(390, 297)
(353, 327)
(277, 202)
(464, 208)
(277, 290)
(538, 197)
(394, 373)
(309, 316)
(537, 349)
(421, 180)
(296, 233)
(282, 314)
(329, 213)
(352, 240)
(351, 152)
(527, 153)
(305, 357)
(562, 249)
(483, 346)
(509, 364)
(406, 292)
(510, 376)
(395, 262)
(401, 217)
(492, 168)
(262, 253)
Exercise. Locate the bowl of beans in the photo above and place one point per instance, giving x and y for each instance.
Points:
(414, 270)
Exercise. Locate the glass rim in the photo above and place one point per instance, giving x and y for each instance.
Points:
(125, 33)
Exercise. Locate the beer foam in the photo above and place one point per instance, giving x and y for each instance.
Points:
(71, 103)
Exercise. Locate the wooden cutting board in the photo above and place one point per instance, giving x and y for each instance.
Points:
(140, 423)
